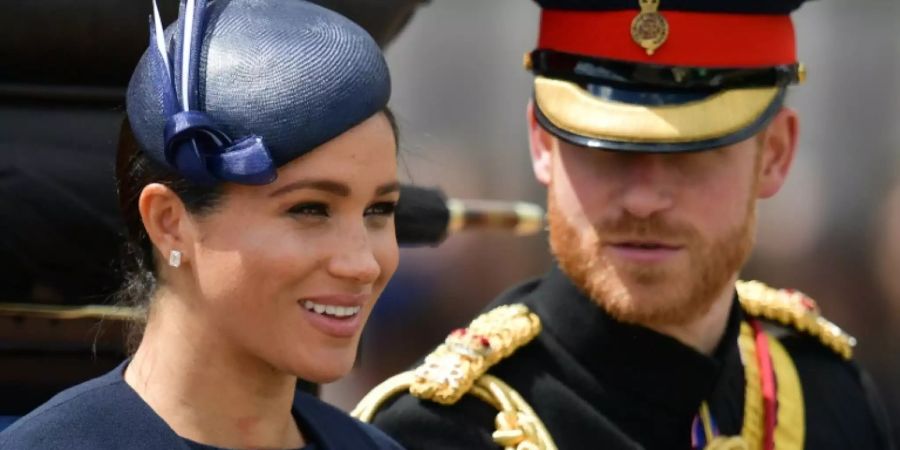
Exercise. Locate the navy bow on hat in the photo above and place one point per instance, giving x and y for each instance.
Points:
(194, 144)
(237, 88)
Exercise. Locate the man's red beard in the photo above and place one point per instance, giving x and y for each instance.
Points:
(679, 294)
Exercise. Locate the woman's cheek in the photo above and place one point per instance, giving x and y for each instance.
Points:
(387, 253)
(220, 273)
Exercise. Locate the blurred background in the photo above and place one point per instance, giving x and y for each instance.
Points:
(459, 93)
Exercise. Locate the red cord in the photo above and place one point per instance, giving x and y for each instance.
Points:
(767, 378)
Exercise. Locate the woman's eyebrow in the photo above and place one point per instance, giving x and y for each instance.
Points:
(332, 187)
(387, 188)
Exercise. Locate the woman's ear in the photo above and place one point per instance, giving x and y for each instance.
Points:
(166, 220)
(779, 145)
(541, 145)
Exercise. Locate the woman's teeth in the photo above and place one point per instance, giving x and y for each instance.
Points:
(331, 310)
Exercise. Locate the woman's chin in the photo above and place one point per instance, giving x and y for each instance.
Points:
(323, 375)
(325, 370)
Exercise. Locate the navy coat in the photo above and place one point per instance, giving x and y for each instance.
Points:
(106, 413)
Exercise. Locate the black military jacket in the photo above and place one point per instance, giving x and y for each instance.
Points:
(600, 384)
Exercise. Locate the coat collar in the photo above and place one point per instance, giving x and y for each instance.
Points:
(321, 423)
(638, 366)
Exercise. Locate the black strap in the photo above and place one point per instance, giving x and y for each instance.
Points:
(589, 70)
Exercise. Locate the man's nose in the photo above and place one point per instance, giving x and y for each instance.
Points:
(646, 186)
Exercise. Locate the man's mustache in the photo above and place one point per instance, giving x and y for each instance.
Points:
(654, 228)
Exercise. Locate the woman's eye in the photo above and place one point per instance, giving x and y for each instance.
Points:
(309, 209)
(381, 209)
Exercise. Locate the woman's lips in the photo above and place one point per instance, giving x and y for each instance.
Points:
(335, 315)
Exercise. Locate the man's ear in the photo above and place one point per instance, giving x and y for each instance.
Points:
(779, 145)
(541, 146)
(166, 220)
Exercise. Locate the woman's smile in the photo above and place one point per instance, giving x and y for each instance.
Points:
(335, 315)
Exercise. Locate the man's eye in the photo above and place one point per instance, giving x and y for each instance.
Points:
(309, 209)
(381, 209)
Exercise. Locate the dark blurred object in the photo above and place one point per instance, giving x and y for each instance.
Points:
(41, 354)
(88, 56)
(421, 216)
(86, 50)
(59, 223)
(426, 217)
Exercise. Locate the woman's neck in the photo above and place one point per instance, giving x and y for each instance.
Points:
(207, 389)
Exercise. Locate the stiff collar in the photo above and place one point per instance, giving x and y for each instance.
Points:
(637, 367)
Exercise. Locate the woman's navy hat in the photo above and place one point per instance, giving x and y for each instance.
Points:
(237, 88)
(662, 75)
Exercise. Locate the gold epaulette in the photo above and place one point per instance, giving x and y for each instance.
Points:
(450, 370)
(795, 310)
(459, 366)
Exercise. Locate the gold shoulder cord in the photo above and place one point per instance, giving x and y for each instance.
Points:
(459, 366)
(790, 432)
(795, 310)
(791, 424)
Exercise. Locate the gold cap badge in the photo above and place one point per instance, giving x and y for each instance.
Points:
(649, 29)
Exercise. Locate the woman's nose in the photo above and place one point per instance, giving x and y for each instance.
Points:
(354, 259)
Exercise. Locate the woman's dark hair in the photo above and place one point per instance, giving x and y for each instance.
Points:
(134, 171)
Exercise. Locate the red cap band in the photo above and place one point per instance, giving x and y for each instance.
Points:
(695, 39)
